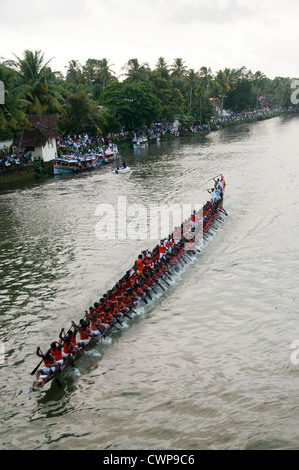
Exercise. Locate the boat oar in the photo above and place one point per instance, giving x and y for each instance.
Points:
(113, 325)
(118, 321)
(167, 283)
(160, 285)
(223, 210)
(182, 259)
(126, 315)
(149, 295)
(35, 370)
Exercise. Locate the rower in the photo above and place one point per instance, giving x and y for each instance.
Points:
(69, 349)
(162, 249)
(149, 263)
(139, 265)
(108, 319)
(56, 351)
(120, 306)
(85, 333)
(127, 301)
(169, 243)
(49, 366)
(96, 325)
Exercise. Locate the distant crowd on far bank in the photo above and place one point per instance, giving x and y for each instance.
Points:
(10, 158)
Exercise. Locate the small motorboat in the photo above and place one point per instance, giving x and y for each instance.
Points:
(122, 170)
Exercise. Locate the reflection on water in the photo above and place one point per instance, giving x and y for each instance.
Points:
(207, 365)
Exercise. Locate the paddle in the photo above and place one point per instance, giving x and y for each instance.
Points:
(160, 285)
(126, 315)
(149, 295)
(223, 210)
(35, 370)
(118, 321)
(167, 283)
(112, 325)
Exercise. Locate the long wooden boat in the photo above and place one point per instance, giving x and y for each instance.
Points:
(193, 238)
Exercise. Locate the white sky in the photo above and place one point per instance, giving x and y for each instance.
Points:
(261, 35)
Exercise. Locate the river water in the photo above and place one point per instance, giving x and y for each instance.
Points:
(207, 365)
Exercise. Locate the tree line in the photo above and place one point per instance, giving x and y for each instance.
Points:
(91, 99)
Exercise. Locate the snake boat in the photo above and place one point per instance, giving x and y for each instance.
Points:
(153, 270)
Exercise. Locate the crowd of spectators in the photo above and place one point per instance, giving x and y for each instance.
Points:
(81, 144)
(219, 122)
(11, 159)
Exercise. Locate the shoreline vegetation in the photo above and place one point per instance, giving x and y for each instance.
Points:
(37, 170)
(90, 99)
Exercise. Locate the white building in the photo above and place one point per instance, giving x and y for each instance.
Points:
(40, 139)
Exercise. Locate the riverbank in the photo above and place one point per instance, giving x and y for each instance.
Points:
(30, 173)
(234, 120)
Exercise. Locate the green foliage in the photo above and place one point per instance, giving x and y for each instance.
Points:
(203, 108)
(36, 77)
(134, 104)
(242, 97)
(81, 116)
(90, 98)
(109, 122)
(38, 168)
(13, 111)
(171, 98)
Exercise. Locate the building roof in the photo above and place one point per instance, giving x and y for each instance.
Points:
(43, 128)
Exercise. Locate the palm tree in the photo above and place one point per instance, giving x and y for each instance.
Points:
(136, 72)
(178, 69)
(258, 81)
(221, 87)
(74, 72)
(88, 72)
(162, 65)
(281, 89)
(34, 74)
(191, 79)
(12, 112)
(105, 74)
(203, 89)
(206, 77)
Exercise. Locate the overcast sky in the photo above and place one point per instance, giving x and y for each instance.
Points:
(261, 35)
